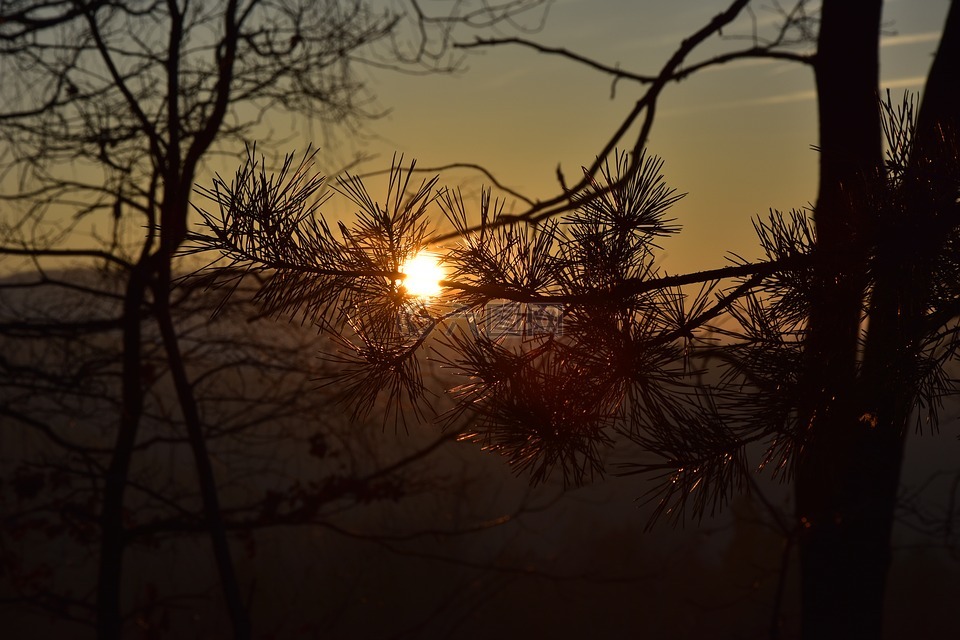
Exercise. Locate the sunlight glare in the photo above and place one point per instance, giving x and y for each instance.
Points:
(423, 275)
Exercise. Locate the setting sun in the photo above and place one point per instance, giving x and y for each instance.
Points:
(423, 274)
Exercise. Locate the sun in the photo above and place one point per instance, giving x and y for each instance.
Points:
(423, 273)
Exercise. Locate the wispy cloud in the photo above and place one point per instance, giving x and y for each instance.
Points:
(909, 82)
(909, 38)
(904, 83)
(784, 98)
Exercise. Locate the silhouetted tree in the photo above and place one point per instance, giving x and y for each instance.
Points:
(841, 338)
(283, 459)
(111, 111)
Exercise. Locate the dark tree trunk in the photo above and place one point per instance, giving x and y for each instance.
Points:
(112, 534)
(860, 398)
(843, 551)
(213, 518)
(939, 118)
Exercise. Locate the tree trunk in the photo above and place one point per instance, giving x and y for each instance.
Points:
(213, 518)
(842, 505)
(112, 535)
(850, 470)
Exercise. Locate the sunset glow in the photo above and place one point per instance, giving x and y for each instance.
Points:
(423, 274)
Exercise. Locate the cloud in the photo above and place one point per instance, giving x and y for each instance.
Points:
(909, 38)
(784, 98)
(909, 82)
(904, 83)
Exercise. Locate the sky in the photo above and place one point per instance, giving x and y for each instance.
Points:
(736, 139)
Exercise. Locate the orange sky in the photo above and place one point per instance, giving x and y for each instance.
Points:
(736, 139)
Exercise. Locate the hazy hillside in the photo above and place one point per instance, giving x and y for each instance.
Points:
(454, 546)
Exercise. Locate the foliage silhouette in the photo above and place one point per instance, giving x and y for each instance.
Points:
(548, 399)
(829, 345)
(112, 110)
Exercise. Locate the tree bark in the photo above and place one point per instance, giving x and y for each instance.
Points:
(112, 534)
(849, 472)
(213, 518)
(939, 117)
(843, 553)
